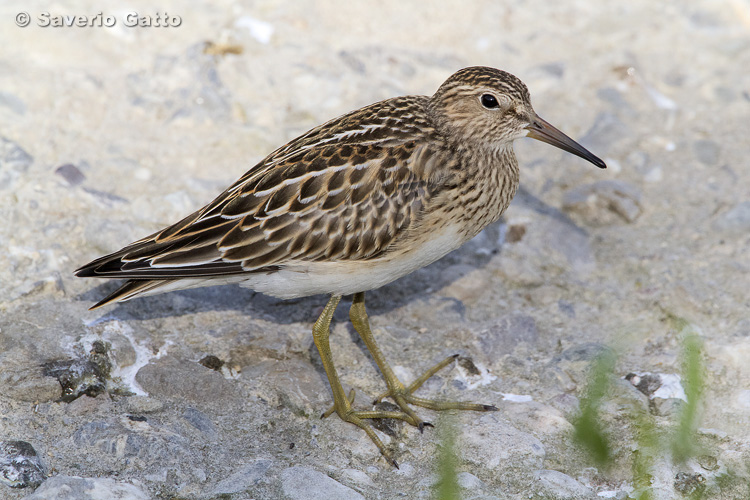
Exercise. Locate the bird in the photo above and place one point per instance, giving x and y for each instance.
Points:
(350, 206)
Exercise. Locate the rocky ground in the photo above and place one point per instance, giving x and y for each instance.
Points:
(109, 133)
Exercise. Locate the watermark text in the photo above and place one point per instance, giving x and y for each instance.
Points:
(99, 20)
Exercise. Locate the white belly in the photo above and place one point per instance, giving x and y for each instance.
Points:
(347, 277)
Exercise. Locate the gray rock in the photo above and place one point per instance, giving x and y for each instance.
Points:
(606, 131)
(604, 202)
(89, 375)
(504, 335)
(71, 174)
(647, 383)
(553, 243)
(20, 466)
(131, 437)
(707, 151)
(303, 483)
(358, 478)
(247, 476)
(143, 404)
(556, 69)
(736, 218)
(14, 162)
(13, 103)
(491, 443)
(582, 352)
(28, 384)
(469, 481)
(86, 488)
(186, 86)
(293, 384)
(555, 484)
(200, 421)
(170, 377)
(570, 368)
(668, 407)
(614, 97)
(688, 484)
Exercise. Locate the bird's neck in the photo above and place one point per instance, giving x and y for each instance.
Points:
(484, 186)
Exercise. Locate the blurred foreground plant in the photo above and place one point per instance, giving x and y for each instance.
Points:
(654, 446)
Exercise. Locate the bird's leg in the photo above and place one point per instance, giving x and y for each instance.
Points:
(403, 395)
(341, 404)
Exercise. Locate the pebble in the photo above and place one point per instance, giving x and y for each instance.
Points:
(304, 483)
(200, 421)
(571, 367)
(173, 378)
(89, 488)
(606, 131)
(491, 443)
(469, 481)
(12, 102)
(14, 162)
(20, 466)
(358, 477)
(688, 484)
(604, 203)
(736, 218)
(707, 151)
(669, 407)
(143, 404)
(503, 336)
(88, 375)
(28, 384)
(614, 97)
(71, 174)
(293, 384)
(244, 478)
(555, 484)
(135, 436)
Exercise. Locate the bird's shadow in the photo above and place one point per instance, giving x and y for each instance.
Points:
(417, 286)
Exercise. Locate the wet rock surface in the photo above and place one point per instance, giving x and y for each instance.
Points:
(218, 392)
(79, 488)
(20, 466)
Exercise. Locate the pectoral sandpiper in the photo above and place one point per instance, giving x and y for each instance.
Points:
(349, 206)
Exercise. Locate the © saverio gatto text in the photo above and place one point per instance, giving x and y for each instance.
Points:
(99, 20)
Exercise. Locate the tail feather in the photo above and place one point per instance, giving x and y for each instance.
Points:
(131, 289)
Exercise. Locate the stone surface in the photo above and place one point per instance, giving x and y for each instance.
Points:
(737, 218)
(604, 202)
(303, 483)
(555, 484)
(507, 441)
(20, 466)
(85, 488)
(244, 479)
(108, 134)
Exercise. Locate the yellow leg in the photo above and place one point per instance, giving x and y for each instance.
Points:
(401, 394)
(341, 404)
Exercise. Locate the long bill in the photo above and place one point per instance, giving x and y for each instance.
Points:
(541, 130)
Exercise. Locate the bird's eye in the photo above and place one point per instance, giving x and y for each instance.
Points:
(489, 101)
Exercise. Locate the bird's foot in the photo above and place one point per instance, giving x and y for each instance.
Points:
(404, 396)
(358, 418)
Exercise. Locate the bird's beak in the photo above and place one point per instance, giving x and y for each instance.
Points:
(543, 131)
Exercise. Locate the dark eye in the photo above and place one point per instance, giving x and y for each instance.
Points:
(489, 101)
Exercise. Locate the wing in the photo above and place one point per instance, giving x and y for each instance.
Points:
(346, 190)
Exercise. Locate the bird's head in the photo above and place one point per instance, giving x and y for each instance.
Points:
(491, 108)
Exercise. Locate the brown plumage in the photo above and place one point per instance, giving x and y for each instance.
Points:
(354, 203)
